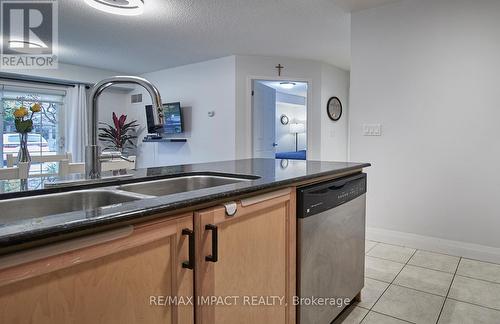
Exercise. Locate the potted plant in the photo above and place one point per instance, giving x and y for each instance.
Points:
(120, 135)
(24, 126)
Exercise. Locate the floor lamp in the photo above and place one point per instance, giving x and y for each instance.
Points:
(297, 128)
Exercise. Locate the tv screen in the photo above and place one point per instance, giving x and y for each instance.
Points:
(173, 122)
(151, 121)
(172, 114)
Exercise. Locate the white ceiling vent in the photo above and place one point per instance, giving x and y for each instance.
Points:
(136, 98)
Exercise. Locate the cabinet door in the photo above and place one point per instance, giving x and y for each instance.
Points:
(118, 281)
(255, 257)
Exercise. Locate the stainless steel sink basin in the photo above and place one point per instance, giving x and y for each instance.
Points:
(80, 200)
(181, 184)
(39, 206)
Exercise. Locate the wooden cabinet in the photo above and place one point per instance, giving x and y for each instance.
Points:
(255, 259)
(117, 281)
(131, 274)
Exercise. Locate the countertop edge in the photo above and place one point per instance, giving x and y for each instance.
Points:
(9, 242)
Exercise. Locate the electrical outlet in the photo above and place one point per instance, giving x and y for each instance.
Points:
(372, 130)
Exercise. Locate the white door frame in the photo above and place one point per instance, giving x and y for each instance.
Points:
(249, 105)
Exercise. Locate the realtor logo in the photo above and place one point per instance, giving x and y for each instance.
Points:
(28, 34)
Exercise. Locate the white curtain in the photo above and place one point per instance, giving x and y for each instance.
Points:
(76, 122)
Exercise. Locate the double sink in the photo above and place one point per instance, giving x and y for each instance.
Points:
(58, 203)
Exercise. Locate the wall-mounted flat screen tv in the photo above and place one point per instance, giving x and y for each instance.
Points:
(173, 121)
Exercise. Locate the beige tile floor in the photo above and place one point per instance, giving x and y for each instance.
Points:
(405, 285)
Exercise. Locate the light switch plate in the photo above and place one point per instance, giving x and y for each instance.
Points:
(372, 130)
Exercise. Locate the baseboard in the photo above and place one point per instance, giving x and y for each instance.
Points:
(466, 250)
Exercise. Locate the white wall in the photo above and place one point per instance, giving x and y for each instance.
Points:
(220, 85)
(263, 67)
(428, 71)
(201, 87)
(118, 101)
(334, 83)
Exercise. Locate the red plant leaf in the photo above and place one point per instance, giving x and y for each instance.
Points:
(115, 121)
(122, 120)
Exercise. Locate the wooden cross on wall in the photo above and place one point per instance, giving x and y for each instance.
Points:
(279, 67)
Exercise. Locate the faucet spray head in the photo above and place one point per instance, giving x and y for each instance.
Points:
(159, 117)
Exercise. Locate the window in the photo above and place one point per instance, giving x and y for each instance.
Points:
(48, 127)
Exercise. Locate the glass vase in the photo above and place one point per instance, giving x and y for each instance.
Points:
(24, 154)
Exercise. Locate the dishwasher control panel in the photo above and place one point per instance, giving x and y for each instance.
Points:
(322, 196)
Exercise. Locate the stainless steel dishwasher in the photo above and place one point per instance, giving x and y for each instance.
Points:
(331, 245)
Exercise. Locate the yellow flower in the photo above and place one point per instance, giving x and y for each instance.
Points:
(20, 112)
(36, 107)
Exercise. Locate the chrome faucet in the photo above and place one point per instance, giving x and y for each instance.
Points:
(93, 151)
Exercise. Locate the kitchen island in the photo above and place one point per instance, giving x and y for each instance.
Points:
(231, 232)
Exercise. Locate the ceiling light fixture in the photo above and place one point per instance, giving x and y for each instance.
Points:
(118, 7)
(287, 85)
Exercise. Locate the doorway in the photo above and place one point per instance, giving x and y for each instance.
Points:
(279, 119)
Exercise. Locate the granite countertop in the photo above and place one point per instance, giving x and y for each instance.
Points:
(271, 173)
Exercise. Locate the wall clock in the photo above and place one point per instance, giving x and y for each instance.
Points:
(334, 108)
(284, 119)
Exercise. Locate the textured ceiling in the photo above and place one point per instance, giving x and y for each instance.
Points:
(176, 32)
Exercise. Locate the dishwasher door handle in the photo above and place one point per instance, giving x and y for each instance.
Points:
(327, 190)
(335, 185)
